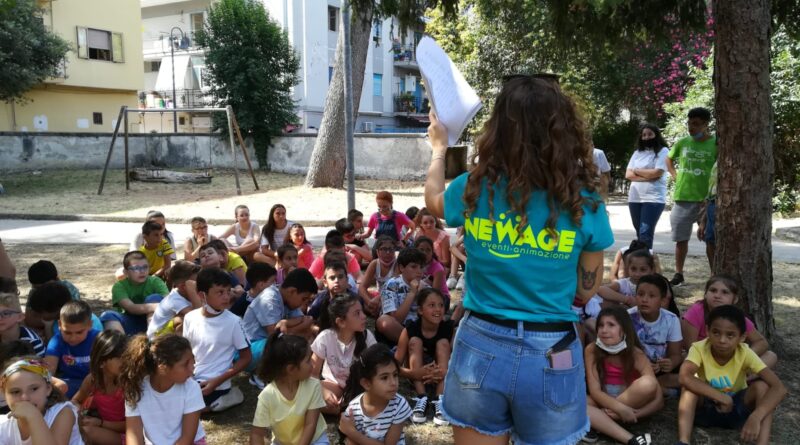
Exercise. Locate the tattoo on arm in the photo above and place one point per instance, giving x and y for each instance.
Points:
(588, 278)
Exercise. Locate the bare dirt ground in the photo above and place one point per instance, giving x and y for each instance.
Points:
(74, 192)
(91, 269)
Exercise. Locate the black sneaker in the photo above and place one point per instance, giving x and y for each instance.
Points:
(677, 279)
(591, 437)
(641, 439)
(419, 414)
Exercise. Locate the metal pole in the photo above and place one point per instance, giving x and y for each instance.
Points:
(348, 107)
(127, 178)
(172, 56)
(122, 111)
(229, 112)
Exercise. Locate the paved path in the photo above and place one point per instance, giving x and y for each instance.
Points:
(94, 232)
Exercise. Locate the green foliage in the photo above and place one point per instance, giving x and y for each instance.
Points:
(29, 52)
(252, 67)
(785, 96)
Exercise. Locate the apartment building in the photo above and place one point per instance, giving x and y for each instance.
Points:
(101, 73)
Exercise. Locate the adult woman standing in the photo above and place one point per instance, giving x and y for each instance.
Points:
(648, 193)
(535, 230)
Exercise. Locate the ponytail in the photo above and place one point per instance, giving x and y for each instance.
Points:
(142, 358)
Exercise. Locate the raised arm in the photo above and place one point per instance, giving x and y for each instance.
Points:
(434, 184)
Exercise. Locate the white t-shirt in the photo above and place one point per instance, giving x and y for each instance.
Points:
(337, 355)
(655, 335)
(278, 236)
(649, 191)
(167, 309)
(9, 429)
(214, 341)
(600, 161)
(162, 412)
(396, 412)
(265, 310)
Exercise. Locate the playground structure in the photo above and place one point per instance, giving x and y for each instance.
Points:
(233, 130)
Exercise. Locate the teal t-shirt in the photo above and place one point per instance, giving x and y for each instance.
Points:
(529, 277)
(693, 161)
(136, 292)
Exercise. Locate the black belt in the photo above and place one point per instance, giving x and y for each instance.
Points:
(558, 326)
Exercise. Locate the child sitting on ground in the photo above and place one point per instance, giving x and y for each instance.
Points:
(42, 272)
(162, 401)
(168, 316)
(379, 271)
(398, 297)
(343, 335)
(618, 266)
(246, 233)
(375, 412)
(356, 217)
(156, 249)
(622, 385)
(296, 236)
(335, 282)
(216, 335)
(334, 242)
(199, 237)
(39, 413)
(101, 394)
(288, 410)
(638, 263)
(135, 298)
(387, 221)
(11, 328)
(213, 254)
(278, 308)
(157, 217)
(429, 226)
(658, 330)
(46, 302)
(433, 272)
(721, 290)
(286, 262)
(68, 352)
(231, 262)
(19, 348)
(426, 345)
(260, 276)
(714, 379)
(352, 245)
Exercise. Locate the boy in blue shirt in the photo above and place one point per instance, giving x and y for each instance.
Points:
(46, 301)
(279, 307)
(68, 352)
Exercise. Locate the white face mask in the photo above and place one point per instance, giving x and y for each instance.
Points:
(612, 349)
(211, 310)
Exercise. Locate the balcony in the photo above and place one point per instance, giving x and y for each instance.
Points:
(194, 98)
(410, 104)
(405, 56)
(160, 45)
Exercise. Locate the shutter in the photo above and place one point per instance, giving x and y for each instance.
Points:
(83, 49)
(117, 54)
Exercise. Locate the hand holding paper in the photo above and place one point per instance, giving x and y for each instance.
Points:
(451, 97)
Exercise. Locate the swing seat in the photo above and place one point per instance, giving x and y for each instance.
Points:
(201, 176)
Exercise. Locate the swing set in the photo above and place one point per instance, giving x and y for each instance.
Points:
(233, 130)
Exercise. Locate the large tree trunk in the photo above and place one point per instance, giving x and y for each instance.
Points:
(745, 163)
(327, 166)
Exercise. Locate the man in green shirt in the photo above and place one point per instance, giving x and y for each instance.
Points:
(689, 163)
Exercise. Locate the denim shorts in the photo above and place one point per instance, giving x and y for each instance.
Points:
(499, 381)
(708, 416)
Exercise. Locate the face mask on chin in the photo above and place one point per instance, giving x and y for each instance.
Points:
(699, 135)
(612, 349)
(211, 310)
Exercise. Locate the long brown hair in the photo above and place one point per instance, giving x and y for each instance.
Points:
(268, 231)
(107, 345)
(628, 360)
(142, 357)
(537, 140)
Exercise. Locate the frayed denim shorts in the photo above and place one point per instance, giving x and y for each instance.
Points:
(499, 381)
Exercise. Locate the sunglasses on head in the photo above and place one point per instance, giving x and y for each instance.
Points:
(543, 76)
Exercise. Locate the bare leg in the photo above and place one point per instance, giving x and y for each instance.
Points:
(101, 436)
(669, 380)
(686, 409)
(468, 436)
(443, 351)
(606, 425)
(389, 326)
(681, 250)
(415, 362)
(770, 359)
(643, 395)
(755, 394)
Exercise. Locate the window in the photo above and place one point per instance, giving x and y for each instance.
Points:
(196, 19)
(377, 84)
(97, 44)
(152, 66)
(97, 118)
(333, 18)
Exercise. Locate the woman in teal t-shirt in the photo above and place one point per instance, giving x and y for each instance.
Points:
(534, 229)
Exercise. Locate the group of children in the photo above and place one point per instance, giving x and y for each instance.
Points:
(640, 349)
(263, 303)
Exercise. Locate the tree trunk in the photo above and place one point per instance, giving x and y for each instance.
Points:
(327, 166)
(745, 162)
